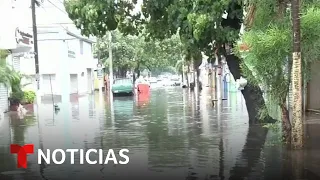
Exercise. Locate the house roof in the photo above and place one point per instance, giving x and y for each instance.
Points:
(57, 29)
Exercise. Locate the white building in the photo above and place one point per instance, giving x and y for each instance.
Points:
(14, 38)
(59, 47)
(63, 52)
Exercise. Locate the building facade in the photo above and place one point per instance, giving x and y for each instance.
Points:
(56, 48)
(14, 38)
(59, 45)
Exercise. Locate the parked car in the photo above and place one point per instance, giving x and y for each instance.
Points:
(122, 86)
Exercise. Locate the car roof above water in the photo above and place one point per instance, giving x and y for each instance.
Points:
(123, 80)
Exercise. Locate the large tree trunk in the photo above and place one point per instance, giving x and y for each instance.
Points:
(197, 61)
(138, 73)
(123, 72)
(252, 94)
(199, 83)
(136, 70)
(187, 77)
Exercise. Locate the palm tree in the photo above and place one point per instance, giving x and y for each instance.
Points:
(297, 130)
(7, 75)
(11, 79)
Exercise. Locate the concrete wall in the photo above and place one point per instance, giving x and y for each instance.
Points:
(53, 55)
(49, 52)
(313, 90)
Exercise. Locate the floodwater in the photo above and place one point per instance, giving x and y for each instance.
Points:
(172, 134)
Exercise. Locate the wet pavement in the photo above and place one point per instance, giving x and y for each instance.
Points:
(173, 134)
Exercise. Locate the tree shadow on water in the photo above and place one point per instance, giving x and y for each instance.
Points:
(250, 154)
(279, 162)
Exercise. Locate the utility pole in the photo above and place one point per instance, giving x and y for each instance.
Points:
(297, 122)
(37, 76)
(100, 74)
(110, 64)
(35, 43)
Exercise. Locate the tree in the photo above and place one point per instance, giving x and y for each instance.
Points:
(297, 77)
(268, 37)
(123, 50)
(270, 46)
(7, 75)
(136, 53)
(199, 23)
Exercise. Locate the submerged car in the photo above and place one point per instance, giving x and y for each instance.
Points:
(122, 86)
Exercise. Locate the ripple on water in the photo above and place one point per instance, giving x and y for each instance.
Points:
(173, 134)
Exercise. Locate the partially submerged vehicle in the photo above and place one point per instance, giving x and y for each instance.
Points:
(123, 86)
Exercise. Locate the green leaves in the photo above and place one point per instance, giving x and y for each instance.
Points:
(198, 22)
(130, 50)
(7, 75)
(96, 17)
(267, 58)
(270, 42)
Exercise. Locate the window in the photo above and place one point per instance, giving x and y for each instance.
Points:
(81, 47)
(122, 81)
(16, 63)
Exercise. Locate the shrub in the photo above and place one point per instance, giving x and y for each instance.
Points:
(29, 97)
(16, 97)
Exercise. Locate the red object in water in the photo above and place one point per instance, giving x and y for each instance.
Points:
(143, 88)
(143, 99)
(143, 94)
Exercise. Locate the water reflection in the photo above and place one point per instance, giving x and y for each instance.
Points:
(172, 133)
(251, 153)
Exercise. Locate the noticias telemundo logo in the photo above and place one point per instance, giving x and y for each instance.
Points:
(51, 156)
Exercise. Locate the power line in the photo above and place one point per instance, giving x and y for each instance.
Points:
(63, 11)
(57, 24)
(60, 1)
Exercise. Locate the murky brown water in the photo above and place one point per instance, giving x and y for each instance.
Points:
(174, 135)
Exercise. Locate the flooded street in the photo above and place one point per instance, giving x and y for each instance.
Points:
(174, 134)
